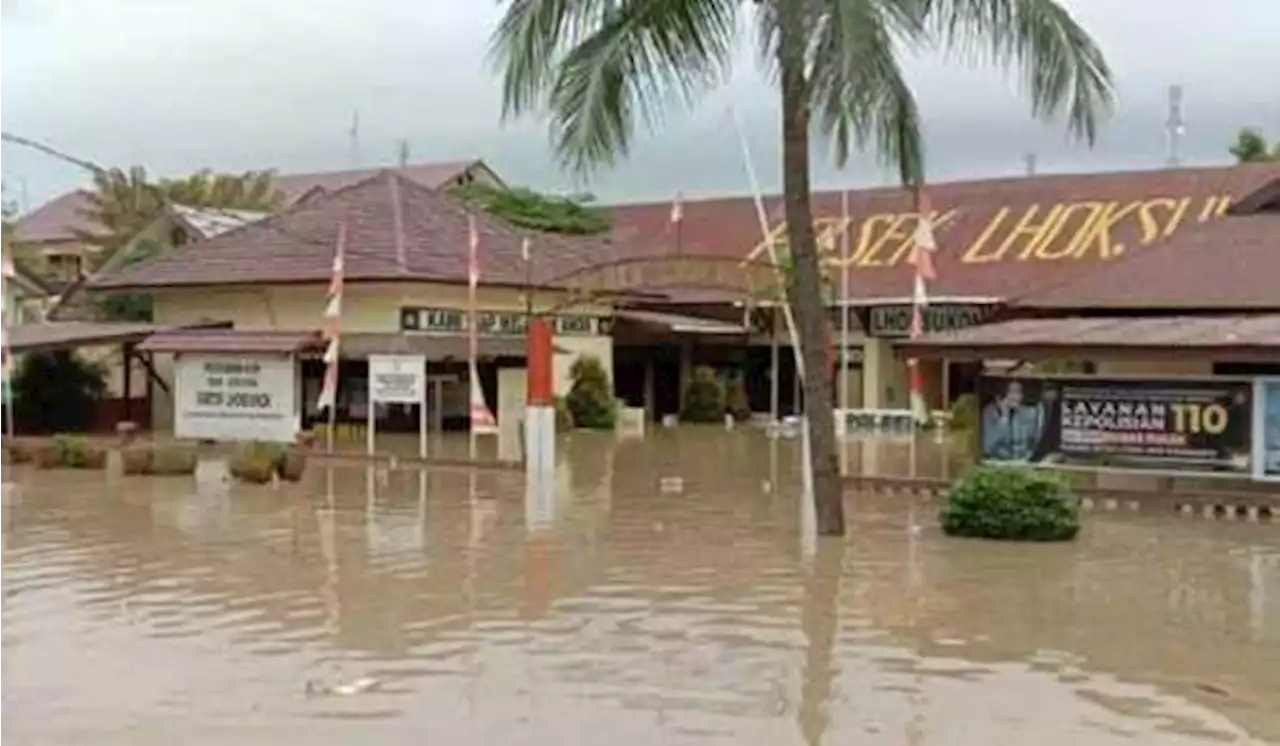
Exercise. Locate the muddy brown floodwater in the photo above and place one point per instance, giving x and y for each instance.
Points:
(436, 608)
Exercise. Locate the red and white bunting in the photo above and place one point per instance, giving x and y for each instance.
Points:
(922, 255)
(331, 328)
(482, 419)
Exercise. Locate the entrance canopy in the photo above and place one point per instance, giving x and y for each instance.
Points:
(1245, 338)
(63, 335)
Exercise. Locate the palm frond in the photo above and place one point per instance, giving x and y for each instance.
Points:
(597, 66)
(1060, 65)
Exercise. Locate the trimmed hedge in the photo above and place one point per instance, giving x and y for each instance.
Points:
(70, 452)
(1010, 503)
(703, 397)
(590, 399)
(257, 462)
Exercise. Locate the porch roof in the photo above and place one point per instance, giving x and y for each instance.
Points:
(1225, 337)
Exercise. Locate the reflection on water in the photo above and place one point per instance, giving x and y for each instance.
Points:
(459, 608)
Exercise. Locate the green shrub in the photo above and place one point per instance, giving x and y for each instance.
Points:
(964, 412)
(735, 398)
(21, 452)
(56, 392)
(564, 417)
(256, 462)
(703, 397)
(70, 452)
(590, 398)
(171, 459)
(1015, 503)
(292, 464)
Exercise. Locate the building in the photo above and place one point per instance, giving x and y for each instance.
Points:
(1008, 248)
(62, 230)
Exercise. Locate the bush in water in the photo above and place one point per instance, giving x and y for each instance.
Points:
(590, 399)
(703, 397)
(1012, 503)
(70, 452)
(256, 462)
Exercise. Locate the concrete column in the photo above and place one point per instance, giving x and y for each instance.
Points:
(540, 416)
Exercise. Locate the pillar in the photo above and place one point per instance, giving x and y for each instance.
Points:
(540, 406)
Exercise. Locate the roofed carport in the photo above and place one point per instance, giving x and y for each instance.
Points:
(1234, 338)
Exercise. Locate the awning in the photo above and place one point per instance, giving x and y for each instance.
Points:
(230, 341)
(1232, 337)
(61, 335)
(681, 323)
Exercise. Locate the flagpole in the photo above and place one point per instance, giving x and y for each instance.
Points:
(844, 329)
(331, 334)
(473, 341)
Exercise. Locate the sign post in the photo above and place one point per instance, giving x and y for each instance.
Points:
(233, 398)
(399, 379)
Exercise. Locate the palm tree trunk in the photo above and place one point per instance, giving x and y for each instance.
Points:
(805, 294)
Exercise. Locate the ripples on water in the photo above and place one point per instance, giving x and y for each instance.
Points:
(147, 611)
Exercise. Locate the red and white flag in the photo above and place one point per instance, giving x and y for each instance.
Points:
(677, 208)
(331, 329)
(482, 419)
(922, 255)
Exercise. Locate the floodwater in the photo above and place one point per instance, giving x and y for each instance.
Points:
(629, 608)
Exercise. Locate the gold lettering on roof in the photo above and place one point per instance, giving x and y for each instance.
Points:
(1049, 248)
(939, 222)
(895, 232)
(974, 255)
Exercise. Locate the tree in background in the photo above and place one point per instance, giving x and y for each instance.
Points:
(598, 66)
(122, 203)
(1251, 147)
(56, 392)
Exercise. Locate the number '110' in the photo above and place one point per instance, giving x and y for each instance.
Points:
(1200, 418)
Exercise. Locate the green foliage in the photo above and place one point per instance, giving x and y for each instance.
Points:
(735, 398)
(590, 398)
(964, 412)
(256, 462)
(564, 416)
(704, 399)
(125, 307)
(1251, 147)
(123, 203)
(995, 502)
(529, 209)
(70, 452)
(56, 392)
(159, 459)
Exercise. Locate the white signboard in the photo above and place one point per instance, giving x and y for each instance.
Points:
(1266, 429)
(222, 397)
(398, 379)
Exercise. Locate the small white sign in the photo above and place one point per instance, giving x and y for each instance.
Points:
(398, 379)
(235, 398)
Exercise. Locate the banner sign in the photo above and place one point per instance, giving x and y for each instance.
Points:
(235, 399)
(1266, 432)
(496, 323)
(398, 379)
(1168, 425)
(895, 321)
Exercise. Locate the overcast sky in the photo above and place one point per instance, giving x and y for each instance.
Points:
(178, 85)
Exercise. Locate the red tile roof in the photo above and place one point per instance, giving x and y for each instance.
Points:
(1011, 339)
(997, 238)
(298, 244)
(1232, 264)
(58, 219)
(63, 335)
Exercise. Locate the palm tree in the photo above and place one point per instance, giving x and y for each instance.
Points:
(122, 203)
(599, 65)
